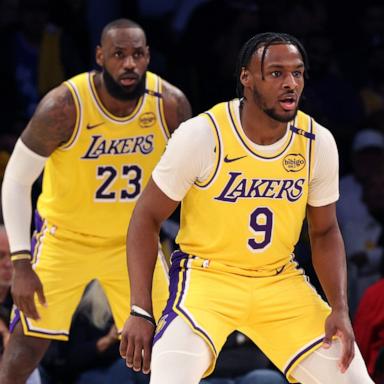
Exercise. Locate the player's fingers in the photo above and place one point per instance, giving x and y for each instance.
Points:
(41, 296)
(28, 307)
(129, 353)
(329, 333)
(138, 356)
(123, 346)
(147, 354)
(347, 353)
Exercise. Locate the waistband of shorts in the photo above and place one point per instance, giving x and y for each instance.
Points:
(188, 261)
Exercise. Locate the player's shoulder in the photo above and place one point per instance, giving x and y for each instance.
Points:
(323, 134)
(59, 100)
(197, 125)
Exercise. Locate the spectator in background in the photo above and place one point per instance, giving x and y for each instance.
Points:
(369, 328)
(358, 212)
(367, 157)
(364, 239)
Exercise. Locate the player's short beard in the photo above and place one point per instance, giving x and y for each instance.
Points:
(258, 99)
(119, 92)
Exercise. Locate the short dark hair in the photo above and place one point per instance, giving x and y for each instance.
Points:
(264, 40)
(119, 23)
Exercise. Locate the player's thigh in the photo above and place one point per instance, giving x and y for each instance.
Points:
(211, 302)
(321, 367)
(179, 356)
(287, 322)
(63, 270)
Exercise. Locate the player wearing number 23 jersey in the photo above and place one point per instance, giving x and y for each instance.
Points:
(98, 136)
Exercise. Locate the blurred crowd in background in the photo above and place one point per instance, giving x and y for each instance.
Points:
(194, 44)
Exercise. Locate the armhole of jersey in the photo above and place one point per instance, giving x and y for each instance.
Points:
(311, 148)
(160, 107)
(218, 152)
(72, 88)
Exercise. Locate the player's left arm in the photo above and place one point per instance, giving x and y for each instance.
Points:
(328, 254)
(328, 258)
(177, 108)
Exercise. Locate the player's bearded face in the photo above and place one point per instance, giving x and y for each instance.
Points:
(272, 111)
(121, 92)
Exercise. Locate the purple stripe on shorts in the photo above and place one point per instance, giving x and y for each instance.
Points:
(38, 225)
(318, 341)
(14, 321)
(168, 313)
(178, 257)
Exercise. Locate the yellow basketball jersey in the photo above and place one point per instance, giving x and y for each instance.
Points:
(249, 213)
(92, 182)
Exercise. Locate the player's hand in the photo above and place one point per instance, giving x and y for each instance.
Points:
(136, 343)
(24, 286)
(338, 324)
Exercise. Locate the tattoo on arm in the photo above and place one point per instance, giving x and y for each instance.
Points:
(53, 122)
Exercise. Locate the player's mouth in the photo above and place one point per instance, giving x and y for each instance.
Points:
(288, 102)
(128, 80)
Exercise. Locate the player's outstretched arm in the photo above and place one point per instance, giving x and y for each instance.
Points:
(152, 208)
(51, 125)
(328, 257)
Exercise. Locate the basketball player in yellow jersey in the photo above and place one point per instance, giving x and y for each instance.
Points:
(98, 135)
(253, 168)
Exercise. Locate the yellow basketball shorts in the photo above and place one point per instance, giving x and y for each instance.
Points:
(66, 262)
(278, 310)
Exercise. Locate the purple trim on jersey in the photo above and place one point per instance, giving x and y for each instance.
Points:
(308, 135)
(177, 258)
(208, 182)
(14, 321)
(310, 150)
(249, 148)
(301, 353)
(103, 108)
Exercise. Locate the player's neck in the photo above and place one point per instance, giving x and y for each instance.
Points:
(259, 127)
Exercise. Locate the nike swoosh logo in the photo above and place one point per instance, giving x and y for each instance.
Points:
(230, 160)
(91, 126)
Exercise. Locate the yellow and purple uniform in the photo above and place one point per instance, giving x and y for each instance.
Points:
(237, 236)
(90, 187)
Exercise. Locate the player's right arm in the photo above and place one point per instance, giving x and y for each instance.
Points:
(189, 156)
(51, 125)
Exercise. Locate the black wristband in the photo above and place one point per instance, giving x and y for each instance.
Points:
(148, 318)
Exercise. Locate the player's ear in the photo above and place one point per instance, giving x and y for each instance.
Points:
(99, 56)
(244, 77)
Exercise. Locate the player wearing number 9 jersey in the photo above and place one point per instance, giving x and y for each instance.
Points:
(247, 172)
(98, 137)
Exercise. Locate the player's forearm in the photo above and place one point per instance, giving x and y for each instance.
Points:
(22, 170)
(328, 257)
(142, 249)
